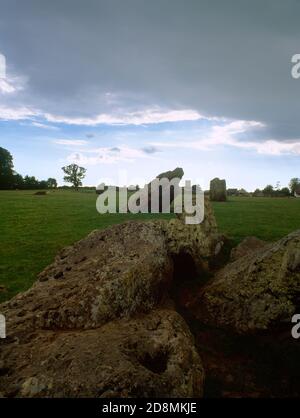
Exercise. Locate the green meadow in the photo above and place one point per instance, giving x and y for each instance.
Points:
(34, 228)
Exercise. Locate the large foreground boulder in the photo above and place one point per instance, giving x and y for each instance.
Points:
(152, 355)
(109, 274)
(258, 292)
(99, 320)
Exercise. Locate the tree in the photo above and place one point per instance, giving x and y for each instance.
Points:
(257, 193)
(293, 184)
(268, 190)
(30, 182)
(285, 192)
(43, 184)
(74, 174)
(18, 181)
(51, 183)
(6, 169)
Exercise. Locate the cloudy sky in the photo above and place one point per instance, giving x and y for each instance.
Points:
(131, 88)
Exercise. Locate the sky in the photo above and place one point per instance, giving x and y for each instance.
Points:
(131, 88)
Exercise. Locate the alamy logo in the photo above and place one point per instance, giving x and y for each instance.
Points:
(2, 326)
(296, 328)
(160, 196)
(2, 66)
(295, 72)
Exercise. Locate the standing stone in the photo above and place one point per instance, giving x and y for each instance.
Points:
(170, 175)
(218, 190)
(177, 173)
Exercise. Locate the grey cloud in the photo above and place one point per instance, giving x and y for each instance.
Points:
(150, 150)
(221, 58)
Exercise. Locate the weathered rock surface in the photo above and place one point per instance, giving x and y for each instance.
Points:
(172, 174)
(41, 193)
(111, 273)
(96, 323)
(152, 355)
(100, 321)
(175, 175)
(248, 245)
(217, 190)
(257, 292)
(202, 242)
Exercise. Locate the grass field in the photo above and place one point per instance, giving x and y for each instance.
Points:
(34, 228)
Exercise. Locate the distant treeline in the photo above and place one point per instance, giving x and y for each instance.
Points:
(64, 187)
(270, 191)
(30, 183)
(9, 179)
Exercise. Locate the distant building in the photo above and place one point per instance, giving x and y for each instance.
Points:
(297, 191)
(258, 193)
(243, 193)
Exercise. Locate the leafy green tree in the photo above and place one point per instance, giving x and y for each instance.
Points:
(268, 190)
(30, 182)
(6, 169)
(257, 192)
(51, 183)
(18, 181)
(285, 192)
(293, 184)
(43, 184)
(74, 175)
